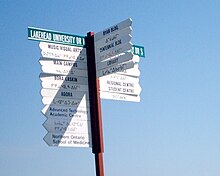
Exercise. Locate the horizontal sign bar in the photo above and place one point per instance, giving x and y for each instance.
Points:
(112, 29)
(64, 71)
(46, 62)
(53, 93)
(118, 77)
(67, 125)
(66, 112)
(135, 72)
(60, 48)
(64, 86)
(55, 37)
(115, 69)
(63, 56)
(63, 78)
(113, 52)
(121, 97)
(117, 60)
(120, 84)
(122, 87)
(63, 52)
(114, 37)
(107, 46)
(68, 139)
(66, 101)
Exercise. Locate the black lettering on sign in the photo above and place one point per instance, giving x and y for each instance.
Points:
(66, 94)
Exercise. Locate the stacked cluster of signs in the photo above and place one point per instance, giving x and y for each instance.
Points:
(65, 79)
(116, 64)
(65, 95)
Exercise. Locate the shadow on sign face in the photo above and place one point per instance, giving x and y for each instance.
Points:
(65, 95)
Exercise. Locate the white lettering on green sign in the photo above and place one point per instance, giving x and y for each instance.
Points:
(138, 50)
(55, 37)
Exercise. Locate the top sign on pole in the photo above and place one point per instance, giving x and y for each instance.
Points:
(55, 37)
(110, 30)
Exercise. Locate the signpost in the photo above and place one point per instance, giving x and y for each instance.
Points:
(76, 72)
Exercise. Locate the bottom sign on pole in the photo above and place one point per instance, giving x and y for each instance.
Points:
(68, 139)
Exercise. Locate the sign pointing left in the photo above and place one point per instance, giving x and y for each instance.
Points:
(55, 37)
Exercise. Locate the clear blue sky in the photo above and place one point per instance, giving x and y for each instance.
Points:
(173, 131)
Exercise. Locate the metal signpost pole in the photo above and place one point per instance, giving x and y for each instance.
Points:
(95, 105)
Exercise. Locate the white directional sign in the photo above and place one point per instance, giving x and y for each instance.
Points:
(117, 27)
(66, 112)
(64, 52)
(114, 36)
(113, 40)
(114, 69)
(120, 84)
(62, 63)
(65, 101)
(102, 52)
(63, 78)
(67, 125)
(64, 71)
(68, 139)
(53, 93)
(113, 51)
(64, 86)
(117, 60)
(125, 88)
(117, 96)
(135, 72)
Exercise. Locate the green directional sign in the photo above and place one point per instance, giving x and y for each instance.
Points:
(55, 37)
(138, 50)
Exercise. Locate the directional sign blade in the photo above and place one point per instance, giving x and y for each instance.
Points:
(135, 72)
(53, 93)
(120, 84)
(55, 37)
(114, 36)
(117, 60)
(116, 96)
(102, 49)
(64, 55)
(59, 47)
(68, 139)
(118, 77)
(126, 88)
(63, 78)
(67, 125)
(62, 63)
(113, 51)
(65, 101)
(64, 86)
(66, 112)
(64, 71)
(114, 69)
(112, 29)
